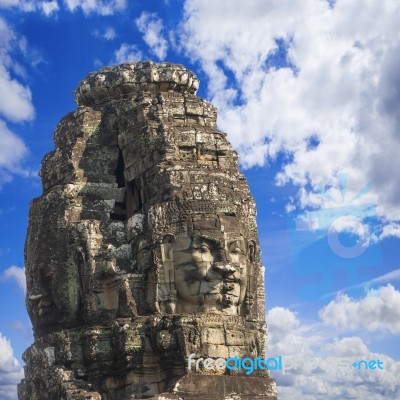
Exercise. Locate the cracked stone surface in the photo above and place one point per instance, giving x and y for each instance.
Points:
(143, 248)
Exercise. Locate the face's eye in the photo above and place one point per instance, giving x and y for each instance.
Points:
(234, 248)
(204, 248)
(48, 273)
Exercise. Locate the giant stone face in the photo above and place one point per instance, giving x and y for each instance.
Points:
(210, 272)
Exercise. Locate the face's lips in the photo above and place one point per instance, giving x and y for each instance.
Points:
(232, 279)
(44, 310)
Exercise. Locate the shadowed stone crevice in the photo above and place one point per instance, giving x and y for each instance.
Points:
(143, 249)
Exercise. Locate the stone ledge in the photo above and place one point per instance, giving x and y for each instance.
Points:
(194, 386)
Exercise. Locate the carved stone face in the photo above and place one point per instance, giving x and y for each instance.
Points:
(83, 286)
(198, 283)
(210, 276)
(53, 296)
(235, 282)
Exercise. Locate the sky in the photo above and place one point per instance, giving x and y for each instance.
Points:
(309, 94)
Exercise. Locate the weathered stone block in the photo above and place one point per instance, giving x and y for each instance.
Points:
(213, 336)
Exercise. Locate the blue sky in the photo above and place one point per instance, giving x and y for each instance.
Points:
(309, 94)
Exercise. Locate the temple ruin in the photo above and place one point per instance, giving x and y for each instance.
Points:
(143, 249)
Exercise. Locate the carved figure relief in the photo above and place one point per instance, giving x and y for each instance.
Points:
(206, 270)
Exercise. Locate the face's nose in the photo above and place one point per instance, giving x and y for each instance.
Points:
(236, 252)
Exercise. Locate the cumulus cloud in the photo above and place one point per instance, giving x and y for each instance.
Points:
(102, 7)
(24, 5)
(310, 79)
(17, 275)
(151, 26)
(49, 7)
(15, 104)
(6, 37)
(12, 152)
(8, 3)
(107, 34)
(126, 53)
(316, 364)
(16, 101)
(11, 372)
(348, 346)
(390, 230)
(378, 313)
(282, 321)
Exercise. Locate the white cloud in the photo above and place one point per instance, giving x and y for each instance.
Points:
(11, 372)
(107, 34)
(49, 7)
(151, 26)
(16, 101)
(348, 346)
(390, 230)
(337, 82)
(8, 3)
(15, 104)
(126, 53)
(12, 153)
(374, 313)
(7, 40)
(16, 274)
(317, 365)
(102, 7)
(30, 54)
(282, 321)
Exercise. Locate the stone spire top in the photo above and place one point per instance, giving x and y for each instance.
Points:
(131, 78)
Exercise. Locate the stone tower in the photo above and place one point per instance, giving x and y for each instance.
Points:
(142, 253)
